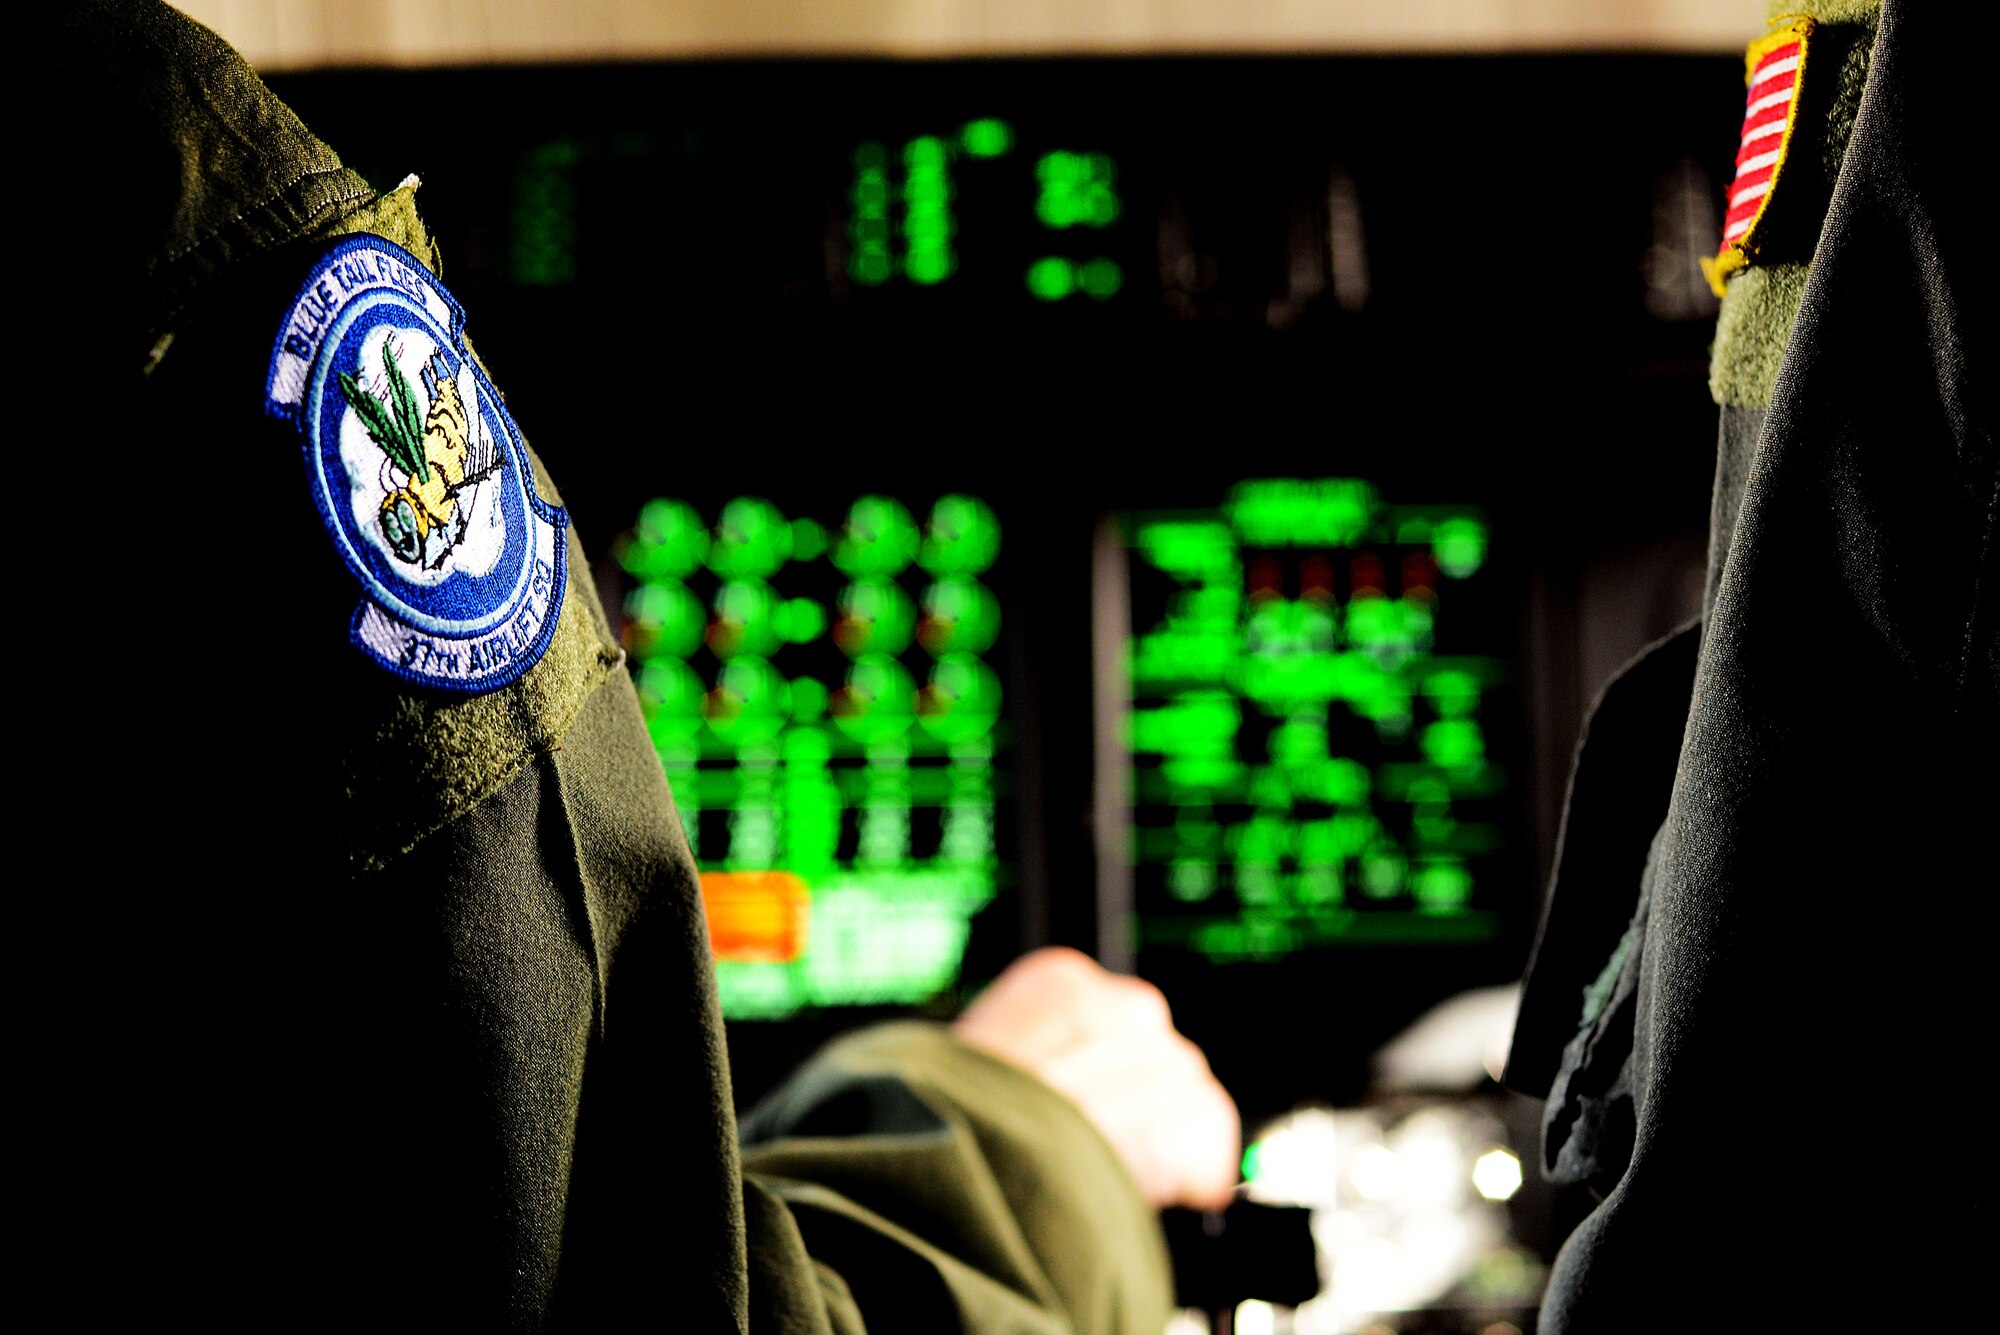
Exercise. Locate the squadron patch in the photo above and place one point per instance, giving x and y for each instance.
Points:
(1775, 68)
(418, 473)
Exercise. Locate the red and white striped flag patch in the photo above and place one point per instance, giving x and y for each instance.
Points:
(1775, 68)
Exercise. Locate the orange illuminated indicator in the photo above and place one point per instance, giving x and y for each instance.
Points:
(755, 915)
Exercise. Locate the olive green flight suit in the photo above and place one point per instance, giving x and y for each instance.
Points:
(396, 1007)
(1758, 1002)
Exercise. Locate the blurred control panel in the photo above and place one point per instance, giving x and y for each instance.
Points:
(819, 690)
(1309, 762)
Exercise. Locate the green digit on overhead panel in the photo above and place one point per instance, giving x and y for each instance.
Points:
(868, 261)
(1077, 190)
(927, 219)
(986, 138)
(1051, 278)
(1100, 278)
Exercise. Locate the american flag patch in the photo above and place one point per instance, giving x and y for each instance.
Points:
(1775, 69)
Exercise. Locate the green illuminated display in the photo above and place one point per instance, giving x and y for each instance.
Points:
(901, 219)
(820, 701)
(1308, 766)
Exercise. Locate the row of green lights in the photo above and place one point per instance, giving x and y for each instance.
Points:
(868, 260)
(752, 703)
(927, 222)
(666, 620)
(808, 782)
(1261, 936)
(753, 539)
(1052, 278)
(1434, 880)
(1290, 512)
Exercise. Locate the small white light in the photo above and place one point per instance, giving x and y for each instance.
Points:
(1297, 1159)
(1497, 1174)
(1377, 1173)
(1255, 1318)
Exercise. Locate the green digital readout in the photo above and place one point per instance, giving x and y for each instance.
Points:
(1074, 192)
(820, 698)
(1308, 766)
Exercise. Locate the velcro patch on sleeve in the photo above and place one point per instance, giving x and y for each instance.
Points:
(418, 472)
(1774, 68)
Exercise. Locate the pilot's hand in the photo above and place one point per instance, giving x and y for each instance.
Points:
(1108, 1042)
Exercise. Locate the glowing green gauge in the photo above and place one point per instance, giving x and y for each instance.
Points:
(749, 704)
(1051, 278)
(752, 539)
(808, 539)
(961, 700)
(1100, 278)
(925, 152)
(666, 621)
(670, 700)
(799, 620)
(874, 703)
(1383, 874)
(962, 538)
(1441, 885)
(1453, 692)
(746, 620)
(1452, 743)
(986, 138)
(929, 264)
(809, 699)
(668, 542)
(1460, 546)
(876, 617)
(960, 615)
(878, 540)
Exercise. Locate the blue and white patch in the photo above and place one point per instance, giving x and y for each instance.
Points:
(418, 472)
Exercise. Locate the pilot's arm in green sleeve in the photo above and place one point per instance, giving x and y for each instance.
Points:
(426, 1031)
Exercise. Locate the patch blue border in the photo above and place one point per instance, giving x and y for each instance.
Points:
(410, 289)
